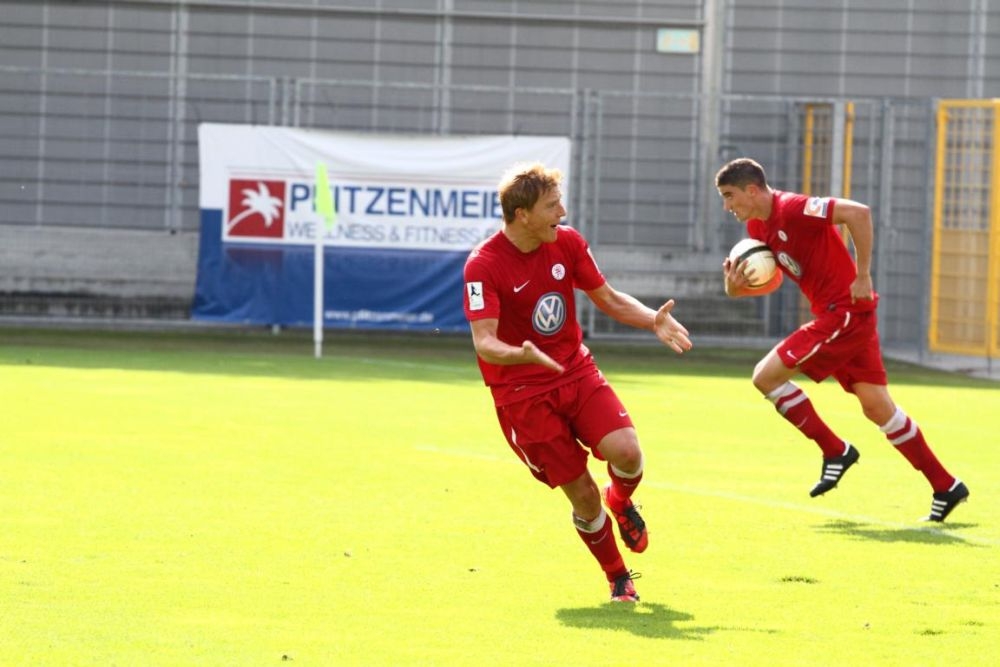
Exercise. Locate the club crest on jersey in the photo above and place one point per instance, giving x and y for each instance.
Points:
(558, 271)
(549, 314)
(817, 207)
(786, 261)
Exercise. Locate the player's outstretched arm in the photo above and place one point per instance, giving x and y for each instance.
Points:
(628, 310)
(493, 350)
(738, 283)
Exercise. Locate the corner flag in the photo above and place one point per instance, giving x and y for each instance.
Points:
(324, 198)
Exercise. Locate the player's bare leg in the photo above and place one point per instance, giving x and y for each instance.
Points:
(593, 525)
(773, 379)
(620, 449)
(905, 435)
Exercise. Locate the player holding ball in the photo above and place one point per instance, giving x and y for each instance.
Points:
(842, 339)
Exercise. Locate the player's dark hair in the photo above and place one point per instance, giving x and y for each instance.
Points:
(523, 185)
(741, 172)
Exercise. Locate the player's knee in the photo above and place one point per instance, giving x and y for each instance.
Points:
(621, 449)
(876, 404)
(622, 438)
(762, 382)
(769, 374)
(629, 459)
(878, 413)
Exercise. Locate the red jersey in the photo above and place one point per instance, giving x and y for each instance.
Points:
(810, 250)
(531, 296)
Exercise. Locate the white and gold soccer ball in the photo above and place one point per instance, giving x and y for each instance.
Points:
(759, 258)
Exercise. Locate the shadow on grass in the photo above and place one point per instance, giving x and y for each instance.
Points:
(643, 619)
(932, 534)
(646, 619)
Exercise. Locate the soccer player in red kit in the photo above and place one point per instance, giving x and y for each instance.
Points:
(551, 400)
(842, 340)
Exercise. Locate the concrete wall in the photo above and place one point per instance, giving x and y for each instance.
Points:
(93, 272)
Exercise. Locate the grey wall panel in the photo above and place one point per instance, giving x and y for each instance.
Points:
(906, 49)
(112, 148)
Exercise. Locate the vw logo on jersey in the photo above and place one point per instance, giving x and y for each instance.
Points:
(550, 314)
(790, 264)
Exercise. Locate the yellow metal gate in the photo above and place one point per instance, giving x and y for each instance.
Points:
(827, 151)
(965, 266)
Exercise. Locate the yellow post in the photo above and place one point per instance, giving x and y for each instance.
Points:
(940, 150)
(807, 150)
(848, 148)
(993, 257)
(848, 156)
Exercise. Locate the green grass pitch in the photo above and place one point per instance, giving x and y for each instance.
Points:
(227, 499)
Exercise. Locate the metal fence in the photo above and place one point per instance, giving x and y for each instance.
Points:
(117, 150)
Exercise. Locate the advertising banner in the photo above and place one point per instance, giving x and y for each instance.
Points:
(408, 210)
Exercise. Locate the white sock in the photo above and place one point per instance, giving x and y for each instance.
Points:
(782, 391)
(590, 526)
(895, 422)
(630, 475)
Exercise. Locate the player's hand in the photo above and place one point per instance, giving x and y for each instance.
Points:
(862, 288)
(533, 355)
(671, 333)
(735, 276)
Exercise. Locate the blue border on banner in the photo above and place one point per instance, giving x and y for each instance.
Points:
(364, 288)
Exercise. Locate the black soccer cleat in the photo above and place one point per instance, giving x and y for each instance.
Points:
(834, 469)
(622, 588)
(631, 526)
(945, 501)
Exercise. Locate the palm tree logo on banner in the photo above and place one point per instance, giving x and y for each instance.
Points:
(256, 209)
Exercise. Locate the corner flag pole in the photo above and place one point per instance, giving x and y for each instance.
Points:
(323, 201)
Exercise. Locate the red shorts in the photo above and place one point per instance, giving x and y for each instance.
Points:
(547, 431)
(842, 344)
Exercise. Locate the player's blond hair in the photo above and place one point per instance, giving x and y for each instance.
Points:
(523, 184)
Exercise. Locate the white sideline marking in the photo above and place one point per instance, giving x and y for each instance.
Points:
(406, 364)
(750, 500)
(493, 458)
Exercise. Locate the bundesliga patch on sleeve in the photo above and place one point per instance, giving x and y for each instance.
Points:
(475, 292)
(817, 207)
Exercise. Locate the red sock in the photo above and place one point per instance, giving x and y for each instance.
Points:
(622, 488)
(601, 543)
(793, 404)
(909, 441)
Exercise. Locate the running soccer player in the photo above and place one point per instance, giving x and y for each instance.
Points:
(553, 404)
(842, 340)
